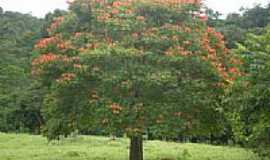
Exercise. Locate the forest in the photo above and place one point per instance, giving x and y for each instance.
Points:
(146, 74)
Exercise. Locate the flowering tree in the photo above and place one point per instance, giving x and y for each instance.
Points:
(131, 66)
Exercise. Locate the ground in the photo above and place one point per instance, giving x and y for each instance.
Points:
(29, 147)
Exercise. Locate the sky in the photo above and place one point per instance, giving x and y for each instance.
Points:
(40, 7)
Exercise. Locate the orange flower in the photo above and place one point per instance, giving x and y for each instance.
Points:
(66, 77)
(56, 23)
(79, 66)
(45, 58)
(61, 46)
(115, 11)
(78, 34)
(116, 108)
(43, 43)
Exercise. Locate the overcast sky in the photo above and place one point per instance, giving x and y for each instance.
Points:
(41, 7)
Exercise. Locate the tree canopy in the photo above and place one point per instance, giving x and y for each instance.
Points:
(131, 67)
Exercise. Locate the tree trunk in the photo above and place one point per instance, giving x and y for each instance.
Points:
(136, 148)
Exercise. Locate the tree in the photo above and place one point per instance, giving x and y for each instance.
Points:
(236, 26)
(249, 99)
(213, 17)
(135, 66)
(257, 16)
(1, 10)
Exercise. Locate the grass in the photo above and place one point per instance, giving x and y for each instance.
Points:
(28, 147)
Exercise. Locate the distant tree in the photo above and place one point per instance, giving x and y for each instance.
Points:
(213, 17)
(236, 26)
(257, 16)
(1, 10)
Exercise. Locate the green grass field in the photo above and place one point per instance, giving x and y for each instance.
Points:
(27, 147)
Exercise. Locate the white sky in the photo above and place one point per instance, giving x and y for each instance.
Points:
(228, 6)
(41, 7)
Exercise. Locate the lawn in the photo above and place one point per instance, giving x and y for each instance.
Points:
(28, 147)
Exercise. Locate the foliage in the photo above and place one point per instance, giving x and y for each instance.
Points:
(18, 34)
(250, 97)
